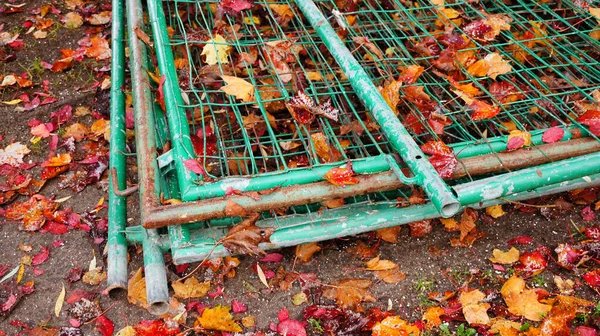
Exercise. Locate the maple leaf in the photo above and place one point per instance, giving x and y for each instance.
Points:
(563, 312)
(391, 94)
(390, 234)
(245, 237)
(518, 139)
(238, 87)
(394, 326)
(218, 318)
(155, 327)
(420, 228)
(99, 49)
(487, 29)
(105, 326)
(495, 211)
(523, 302)
(305, 252)
(13, 154)
(432, 317)
(304, 109)
(349, 293)
(509, 257)
(473, 308)
(72, 20)
(341, 176)
(325, 152)
(492, 65)
(591, 118)
(136, 289)
(235, 5)
(216, 51)
(442, 157)
(190, 288)
(32, 212)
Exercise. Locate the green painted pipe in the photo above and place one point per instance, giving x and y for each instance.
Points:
(157, 289)
(267, 181)
(176, 116)
(527, 179)
(117, 205)
(431, 182)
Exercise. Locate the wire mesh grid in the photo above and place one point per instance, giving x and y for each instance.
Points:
(552, 47)
(273, 50)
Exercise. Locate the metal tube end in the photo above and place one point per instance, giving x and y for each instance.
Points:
(116, 291)
(450, 209)
(158, 308)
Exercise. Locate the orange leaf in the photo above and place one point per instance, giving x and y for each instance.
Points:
(322, 148)
(377, 264)
(411, 73)
(509, 257)
(305, 251)
(349, 293)
(341, 176)
(391, 94)
(564, 311)
(99, 49)
(58, 160)
(467, 222)
(474, 310)
(391, 276)
(394, 326)
(522, 301)
(432, 317)
(389, 235)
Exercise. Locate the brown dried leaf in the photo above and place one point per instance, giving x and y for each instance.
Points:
(349, 293)
(390, 234)
(305, 251)
(136, 290)
(245, 237)
(376, 264)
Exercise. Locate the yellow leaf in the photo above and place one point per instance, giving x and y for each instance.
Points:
(261, 275)
(59, 160)
(595, 13)
(376, 264)
(101, 127)
(508, 257)
(390, 234)
(216, 50)
(12, 102)
(73, 20)
(190, 288)
(314, 76)
(249, 321)
(218, 318)
(20, 273)
(495, 211)
(450, 224)
(282, 10)
(238, 87)
(136, 289)
(522, 301)
(394, 326)
(299, 299)
(59, 301)
(391, 94)
(127, 331)
(474, 310)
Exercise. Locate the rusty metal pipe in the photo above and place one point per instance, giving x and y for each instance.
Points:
(316, 192)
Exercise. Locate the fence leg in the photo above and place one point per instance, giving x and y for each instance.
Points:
(117, 216)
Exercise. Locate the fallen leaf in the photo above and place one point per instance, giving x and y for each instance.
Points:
(59, 301)
(94, 277)
(495, 211)
(261, 275)
(238, 87)
(391, 94)
(325, 152)
(504, 327)
(553, 134)
(505, 258)
(194, 166)
(394, 326)
(101, 18)
(304, 109)
(99, 49)
(467, 222)
(13, 154)
(349, 293)
(432, 317)
(442, 157)
(563, 312)
(105, 326)
(523, 302)
(474, 310)
(390, 234)
(245, 237)
(216, 51)
(305, 252)
(136, 289)
(377, 264)
(236, 5)
(341, 176)
(218, 318)
(190, 288)
(492, 65)
(127, 331)
(518, 139)
(73, 20)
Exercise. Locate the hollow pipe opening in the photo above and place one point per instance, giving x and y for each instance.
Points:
(158, 308)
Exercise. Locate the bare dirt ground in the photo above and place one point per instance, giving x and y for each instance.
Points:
(430, 263)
